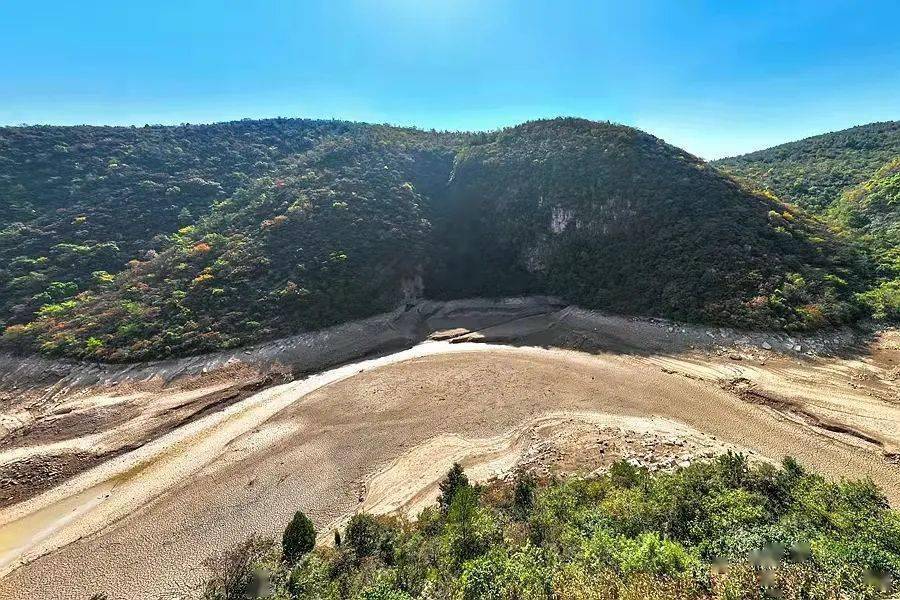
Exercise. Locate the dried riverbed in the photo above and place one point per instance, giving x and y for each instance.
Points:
(164, 464)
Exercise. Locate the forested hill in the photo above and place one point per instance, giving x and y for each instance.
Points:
(609, 216)
(81, 201)
(873, 206)
(137, 243)
(814, 172)
(870, 212)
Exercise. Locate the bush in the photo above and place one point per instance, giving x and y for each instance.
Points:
(312, 580)
(656, 556)
(235, 573)
(501, 576)
(367, 536)
(299, 538)
(523, 496)
(452, 483)
(383, 591)
(884, 300)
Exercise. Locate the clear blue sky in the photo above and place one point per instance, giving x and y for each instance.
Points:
(717, 78)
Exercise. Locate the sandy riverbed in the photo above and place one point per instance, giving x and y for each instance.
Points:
(378, 434)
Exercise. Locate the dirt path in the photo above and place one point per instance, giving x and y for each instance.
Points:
(314, 444)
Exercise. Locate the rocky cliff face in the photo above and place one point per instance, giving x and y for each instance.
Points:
(611, 217)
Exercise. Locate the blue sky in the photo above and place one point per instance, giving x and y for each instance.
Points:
(717, 78)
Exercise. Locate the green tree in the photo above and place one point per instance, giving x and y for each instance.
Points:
(523, 496)
(364, 535)
(454, 481)
(299, 538)
(470, 527)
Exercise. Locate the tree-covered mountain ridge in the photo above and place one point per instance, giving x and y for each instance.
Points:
(849, 179)
(125, 244)
(815, 171)
(870, 213)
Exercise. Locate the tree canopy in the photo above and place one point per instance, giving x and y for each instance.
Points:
(124, 244)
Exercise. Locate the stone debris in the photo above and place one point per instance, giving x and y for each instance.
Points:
(583, 448)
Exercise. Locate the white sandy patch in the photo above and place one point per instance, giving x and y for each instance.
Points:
(410, 483)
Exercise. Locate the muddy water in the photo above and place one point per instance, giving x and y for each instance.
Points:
(18, 536)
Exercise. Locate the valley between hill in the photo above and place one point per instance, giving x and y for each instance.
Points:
(164, 464)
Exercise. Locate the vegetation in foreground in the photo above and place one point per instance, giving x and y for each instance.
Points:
(722, 529)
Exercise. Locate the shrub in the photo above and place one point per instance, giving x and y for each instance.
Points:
(656, 556)
(383, 591)
(235, 573)
(501, 576)
(312, 580)
(367, 536)
(884, 300)
(523, 496)
(624, 474)
(452, 483)
(299, 538)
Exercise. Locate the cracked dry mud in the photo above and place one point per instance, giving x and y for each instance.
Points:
(137, 480)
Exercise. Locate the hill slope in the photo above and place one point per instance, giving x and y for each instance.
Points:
(870, 212)
(332, 234)
(346, 220)
(873, 206)
(610, 217)
(815, 171)
(81, 200)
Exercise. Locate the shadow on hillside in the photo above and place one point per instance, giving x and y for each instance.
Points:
(520, 322)
(571, 328)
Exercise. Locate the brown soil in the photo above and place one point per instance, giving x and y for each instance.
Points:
(133, 423)
(207, 459)
(26, 478)
(57, 427)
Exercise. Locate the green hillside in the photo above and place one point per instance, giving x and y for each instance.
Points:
(723, 530)
(870, 212)
(81, 201)
(815, 171)
(136, 243)
(610, 217)
(332, 234)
